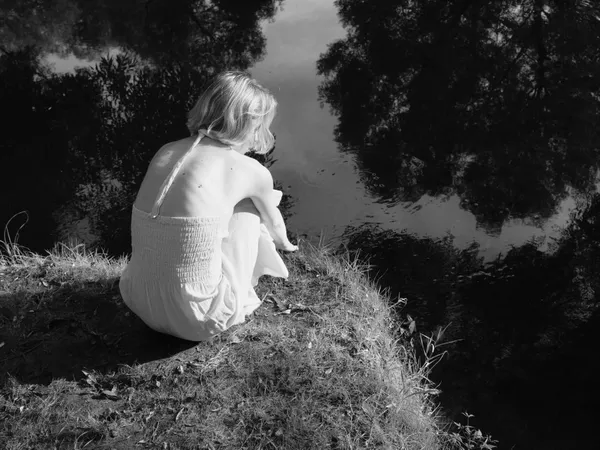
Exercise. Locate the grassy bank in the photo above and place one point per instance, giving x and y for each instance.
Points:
(315, 367)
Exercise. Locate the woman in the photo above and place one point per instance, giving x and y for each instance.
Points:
(205, 224)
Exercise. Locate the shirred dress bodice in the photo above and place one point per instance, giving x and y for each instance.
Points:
(188, 248)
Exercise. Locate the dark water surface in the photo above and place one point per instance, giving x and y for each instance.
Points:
(324, 182)
(455, 143)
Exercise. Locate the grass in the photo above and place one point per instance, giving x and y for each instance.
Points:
(315, 367)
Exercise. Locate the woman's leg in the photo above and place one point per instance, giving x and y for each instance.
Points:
(241, 246)
(250, 252)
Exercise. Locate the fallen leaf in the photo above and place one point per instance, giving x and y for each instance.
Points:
(328, 371)
(412, 327)
(90, 378)
(112, 394)
(368, 409)
(281, 305)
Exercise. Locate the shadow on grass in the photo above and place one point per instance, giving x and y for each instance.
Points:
(60, 331)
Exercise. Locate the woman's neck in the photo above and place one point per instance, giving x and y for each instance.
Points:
(240, 148)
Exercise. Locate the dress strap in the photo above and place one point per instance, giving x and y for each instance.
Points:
(169, 180)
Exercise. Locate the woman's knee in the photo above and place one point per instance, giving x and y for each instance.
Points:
(246, 206)
(244, 227)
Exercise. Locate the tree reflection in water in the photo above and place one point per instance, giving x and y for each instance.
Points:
(207, 33)
(496, 101)
(518, 330)
(99, 126)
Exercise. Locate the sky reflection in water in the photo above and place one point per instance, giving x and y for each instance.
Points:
(323, 182)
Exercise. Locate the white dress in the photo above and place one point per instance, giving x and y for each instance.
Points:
(194, 277)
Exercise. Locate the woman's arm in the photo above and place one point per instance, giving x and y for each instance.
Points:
(266, 199)
(287, 245)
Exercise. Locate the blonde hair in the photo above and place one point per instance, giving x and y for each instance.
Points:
(233, 108)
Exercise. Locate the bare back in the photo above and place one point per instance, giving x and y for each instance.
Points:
(212, 179)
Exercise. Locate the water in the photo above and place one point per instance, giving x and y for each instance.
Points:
(433, 179)
(324, 183)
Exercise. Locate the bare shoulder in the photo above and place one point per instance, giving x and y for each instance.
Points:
(169, 151)
(259, 175)
(255, 166)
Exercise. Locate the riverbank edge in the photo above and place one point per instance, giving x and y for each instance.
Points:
(316, 366)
